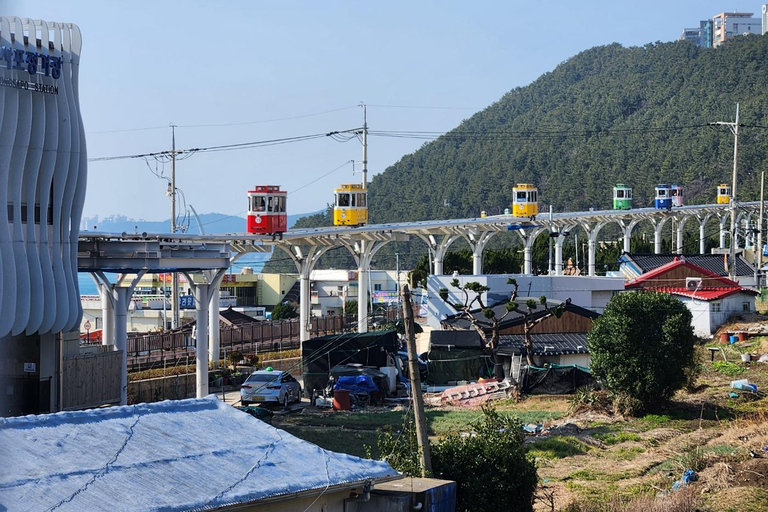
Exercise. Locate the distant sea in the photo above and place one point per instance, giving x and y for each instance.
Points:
(254, 260)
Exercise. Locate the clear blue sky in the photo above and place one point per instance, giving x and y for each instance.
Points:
(203, 63)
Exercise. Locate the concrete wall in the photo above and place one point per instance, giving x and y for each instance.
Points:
(588, 292)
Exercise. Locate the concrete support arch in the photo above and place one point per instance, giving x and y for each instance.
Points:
(215, 277)
(304, 265)
(562, 233)
(202, 292)
(363, 252)
(119, 297)
(658, 226)
(702, 231)
(439, 249)
(528, 239)
(477, 243)
(592, 231)
(679, 232)
(626, 230)
(723, 230)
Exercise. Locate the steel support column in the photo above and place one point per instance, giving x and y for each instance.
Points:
(528, 241)
(440, 249)
(107, 312)
(363, 253)
(121, 299)
(702, 232)
(723, 231)
(679, 231)
(478, 243)
(592, 232)
(304, 265)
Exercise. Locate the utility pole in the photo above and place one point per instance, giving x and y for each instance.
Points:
(760, 231)
(413, 372)
(174, 275)
(734, 127)
(365, 146)
(397, 271)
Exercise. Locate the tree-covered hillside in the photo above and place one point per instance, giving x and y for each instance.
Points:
(639, 116)
(610, 114)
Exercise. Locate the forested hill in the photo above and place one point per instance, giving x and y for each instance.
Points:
(608, 115)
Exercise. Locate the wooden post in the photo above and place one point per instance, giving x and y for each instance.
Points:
(413, 372)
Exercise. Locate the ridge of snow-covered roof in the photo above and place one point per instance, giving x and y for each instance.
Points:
(195, 454)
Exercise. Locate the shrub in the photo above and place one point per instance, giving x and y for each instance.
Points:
(643, 346)
(234, 357)
(490, 466)
(283, 311)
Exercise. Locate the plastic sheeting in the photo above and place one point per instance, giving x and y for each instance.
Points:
(446, 366)
(323, 353)
(556, 380)
(358, 385)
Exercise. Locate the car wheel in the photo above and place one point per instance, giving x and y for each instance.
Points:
(298, 396)
(286, 400)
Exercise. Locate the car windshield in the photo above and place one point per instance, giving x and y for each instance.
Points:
(264, 377)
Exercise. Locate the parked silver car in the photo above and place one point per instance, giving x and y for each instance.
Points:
(270, 386)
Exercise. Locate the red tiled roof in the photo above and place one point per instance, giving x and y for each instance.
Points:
(706, 293)
(710, 276)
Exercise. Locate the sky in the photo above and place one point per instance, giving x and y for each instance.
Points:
(245, 71)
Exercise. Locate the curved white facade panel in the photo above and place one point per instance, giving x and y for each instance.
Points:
(43, 165)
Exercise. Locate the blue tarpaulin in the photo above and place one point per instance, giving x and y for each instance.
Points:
(356, 384)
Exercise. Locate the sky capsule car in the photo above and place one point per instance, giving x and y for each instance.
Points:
(350, 205)
(723, 194)
(676, 194)
(622, 197)
(266, 210)
(663, 199)
(525, 201)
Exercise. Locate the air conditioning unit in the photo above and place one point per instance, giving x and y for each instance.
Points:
(692, 283)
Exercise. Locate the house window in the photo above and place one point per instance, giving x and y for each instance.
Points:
(717, 307)
(377, 287)
(745, 306)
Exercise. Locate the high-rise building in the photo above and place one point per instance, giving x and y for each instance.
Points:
(728, 25)
(705, 33)
(690, 34)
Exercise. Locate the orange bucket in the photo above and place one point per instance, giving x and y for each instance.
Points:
(341, 400)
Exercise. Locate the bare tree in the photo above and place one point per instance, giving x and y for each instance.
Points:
(488, 328)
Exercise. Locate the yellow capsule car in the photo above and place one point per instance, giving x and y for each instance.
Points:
(723, 194)
(525, 201)
(350, 206)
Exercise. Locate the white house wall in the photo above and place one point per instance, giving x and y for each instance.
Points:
(42, 166)
(702, 318)
(706, 322)
(592, 293)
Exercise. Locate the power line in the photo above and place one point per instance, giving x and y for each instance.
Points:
(302, 116)
(225, 147)
(523, 135)
(425, 107)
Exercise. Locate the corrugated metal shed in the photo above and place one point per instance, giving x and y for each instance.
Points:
(197, 454)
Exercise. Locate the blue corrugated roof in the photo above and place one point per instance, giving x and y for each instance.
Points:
(174, 455)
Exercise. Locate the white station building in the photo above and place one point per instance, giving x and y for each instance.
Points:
(42, 187)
